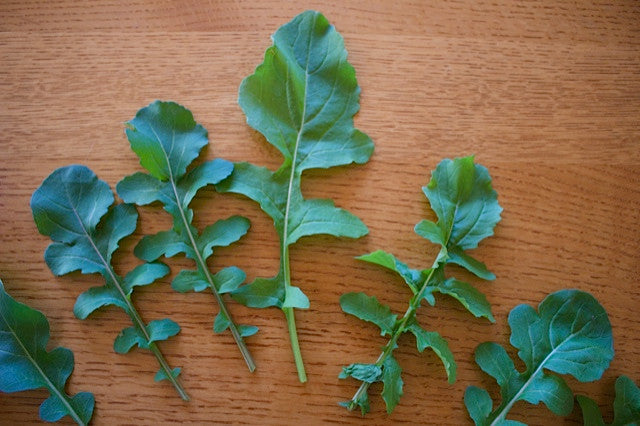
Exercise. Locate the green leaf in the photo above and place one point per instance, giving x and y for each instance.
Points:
(74, 208)
(144, 274)
(626, 406)
(431, 339)
(369, 373)
(430, 231)
(162, 375)
(468, 296)
(457, 256)
(228, 279)
(295, 298)
(95, 298)
(478, 403)
(167, 140)
(392, 390)
(187, 280)
(25, 363)
(302, 98)
(569, 334)
(462, 197)
(412, 277)
(369, 309)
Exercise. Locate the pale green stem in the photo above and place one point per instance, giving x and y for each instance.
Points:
(291, 319)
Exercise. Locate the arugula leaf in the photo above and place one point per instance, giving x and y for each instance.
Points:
(26, 364)
(167, 139)
(75, 209)
(302, 98)
(462, 197)
(626, 406)
(569, 334)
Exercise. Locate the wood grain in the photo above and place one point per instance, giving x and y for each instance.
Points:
(546, 94)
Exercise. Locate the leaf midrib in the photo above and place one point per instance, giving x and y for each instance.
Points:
(52, 388)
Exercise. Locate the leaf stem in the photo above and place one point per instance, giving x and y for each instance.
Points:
(290, 316)
(204, 270)
(388, 349)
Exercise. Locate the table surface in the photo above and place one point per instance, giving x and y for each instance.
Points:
(545, 94)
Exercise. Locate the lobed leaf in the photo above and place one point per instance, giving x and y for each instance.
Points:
(302, 98)
(167, 140)
(368, 308)
(461, 195)
(431, 339)
(26, 364)
(626, 405)
(74, 208)
(569, 334)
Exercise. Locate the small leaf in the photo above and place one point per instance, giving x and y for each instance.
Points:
(229, 279)
(468, 296)
(369, 309)
(25, 363)
(247, 330)
(187, 280)
(478, 403)
(457, 256)
(222, 233)
(261, 293)
(461, 195)
(626, 406)
(431, 339)
(167, 243)
(430, 231)
(412, 277)
(127, 339)
(220, 323)
(140, 188)
(144, 274)
(369, 373)
(162, 375)
(392, 390)
(95, 298)
(295, 298)
(162, 329)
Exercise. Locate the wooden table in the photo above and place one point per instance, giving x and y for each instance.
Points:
(546, 94)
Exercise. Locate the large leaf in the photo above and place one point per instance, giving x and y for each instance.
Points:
(167, 139)
(26, 364)
(626, 406)
(302, 98)
(74, 208)
(569, 334)
(467, 208)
